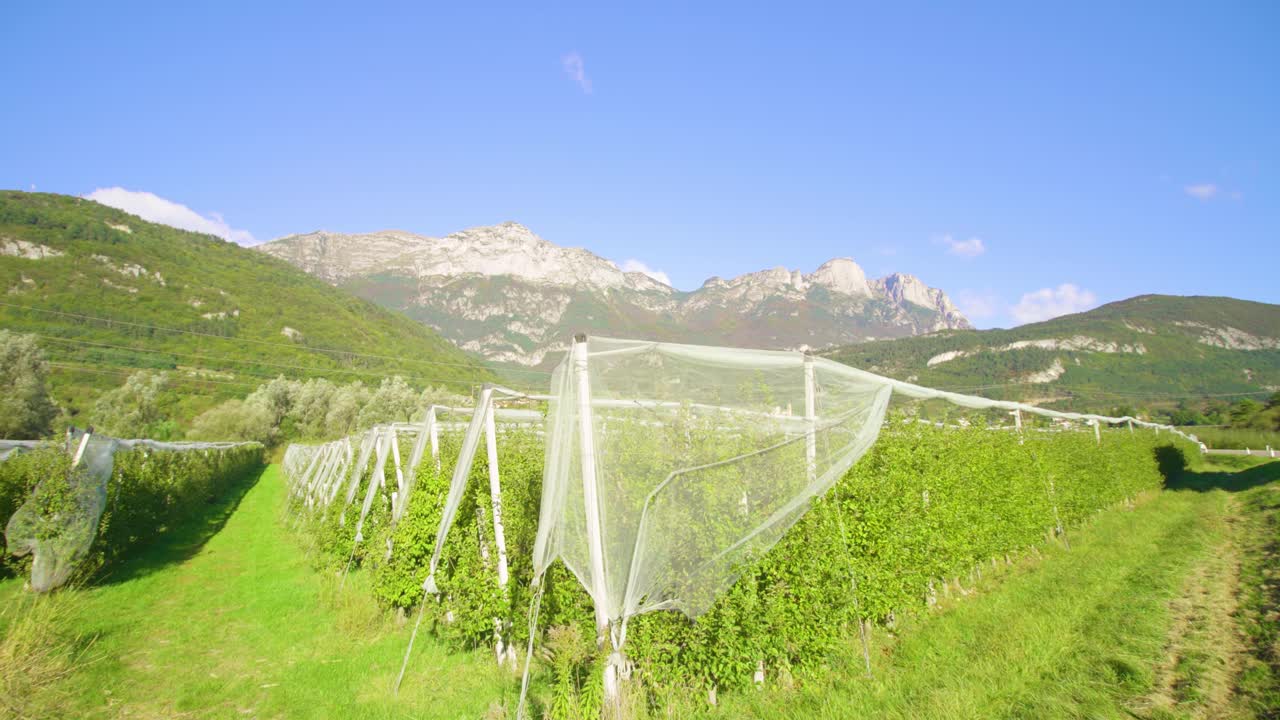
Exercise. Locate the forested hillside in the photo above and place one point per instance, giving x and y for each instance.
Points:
(107, 294)
(1151, 350)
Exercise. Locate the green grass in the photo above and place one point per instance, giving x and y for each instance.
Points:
(232, 621)
(1235, 438)
(1084, 633)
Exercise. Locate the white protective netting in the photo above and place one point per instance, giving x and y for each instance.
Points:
(59, 521)
(318, 474)
(701, 457)
(669, 467)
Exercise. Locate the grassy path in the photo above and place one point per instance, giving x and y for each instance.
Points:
(1138, 619)
(240, 626)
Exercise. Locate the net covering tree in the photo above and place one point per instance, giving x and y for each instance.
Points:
(671, 467)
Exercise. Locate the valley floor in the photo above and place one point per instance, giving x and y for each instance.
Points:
(1166, 610)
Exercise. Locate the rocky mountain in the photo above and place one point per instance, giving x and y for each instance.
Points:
(1153, 349)
(511, 296)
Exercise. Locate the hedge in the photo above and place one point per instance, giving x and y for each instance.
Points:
(926, 504)
(150, 492)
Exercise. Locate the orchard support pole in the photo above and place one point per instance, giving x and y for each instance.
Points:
(591, 503)
(398, 494)
(811, 418)
(433, 430)
(504, 652)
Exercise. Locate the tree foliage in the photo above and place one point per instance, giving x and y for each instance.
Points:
(26, 410)
(284, 409)
(134, 409)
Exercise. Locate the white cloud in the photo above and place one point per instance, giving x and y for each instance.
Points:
(154, 208)
(973, 247)
(1048, 303)
(634, 265)
(978, 305)
(576, 70)
(1202, 191)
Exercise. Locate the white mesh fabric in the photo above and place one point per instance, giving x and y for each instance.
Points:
(59, 521)
(366, 447)
(57, 529)
(377, 479)
(703, 457)
(457, 486)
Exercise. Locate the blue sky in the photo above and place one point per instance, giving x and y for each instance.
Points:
(998, 152)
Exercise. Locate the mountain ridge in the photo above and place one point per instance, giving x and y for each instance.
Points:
(509, 295)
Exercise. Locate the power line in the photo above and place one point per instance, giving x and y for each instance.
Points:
(268, 343)
(91, 343)
(126, 373)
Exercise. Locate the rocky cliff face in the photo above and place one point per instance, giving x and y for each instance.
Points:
(512, 296)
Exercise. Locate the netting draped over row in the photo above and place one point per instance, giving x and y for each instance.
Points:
(317, 474)
(669, 467)
(9, 448)
(57, 526)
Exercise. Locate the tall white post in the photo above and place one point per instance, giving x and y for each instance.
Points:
(495, 489)
(395, 455)
(1017, 423)
(1097, 432)
(811, 417)
(84, 443)
(433, 430)
(591, 503)
(505, 652)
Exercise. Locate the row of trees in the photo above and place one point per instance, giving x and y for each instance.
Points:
(1243, 414)
(278, 410)
(315, 409)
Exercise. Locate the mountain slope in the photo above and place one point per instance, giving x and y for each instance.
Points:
(1147, 348)
(514, 297)
(109, 292)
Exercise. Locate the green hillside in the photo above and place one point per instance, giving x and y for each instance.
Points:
(1147, 351)
(109, 293)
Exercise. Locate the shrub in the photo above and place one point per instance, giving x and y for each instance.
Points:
(26, 411)
(133, 409)
(149, 492)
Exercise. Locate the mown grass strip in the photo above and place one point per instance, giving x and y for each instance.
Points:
(232, 621)
(1077, 635)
